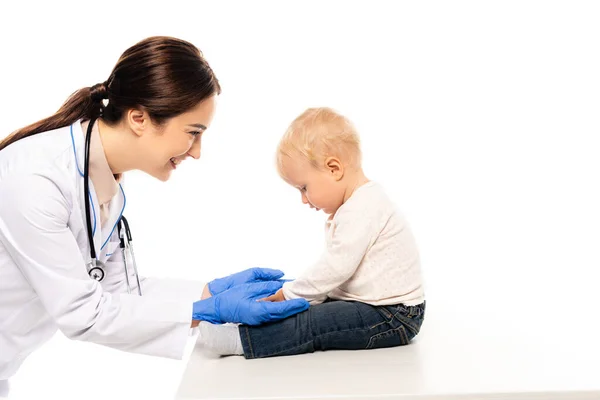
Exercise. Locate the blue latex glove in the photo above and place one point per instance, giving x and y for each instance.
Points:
(247, 276)
(239, 305)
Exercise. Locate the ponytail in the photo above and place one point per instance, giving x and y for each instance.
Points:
(164, 75)
(85, 103)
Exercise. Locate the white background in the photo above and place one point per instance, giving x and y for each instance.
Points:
(480, 118)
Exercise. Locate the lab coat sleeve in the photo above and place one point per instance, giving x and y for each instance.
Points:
(34, 216)
(353, 233)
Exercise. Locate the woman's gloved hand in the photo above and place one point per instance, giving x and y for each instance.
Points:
(250, 275)
(239, 305)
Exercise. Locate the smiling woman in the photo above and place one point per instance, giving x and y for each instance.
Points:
(149, 115)
(151, 110)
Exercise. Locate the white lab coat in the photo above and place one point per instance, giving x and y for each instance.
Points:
(44, 284)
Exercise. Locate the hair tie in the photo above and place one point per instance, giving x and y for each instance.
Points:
(98, 92)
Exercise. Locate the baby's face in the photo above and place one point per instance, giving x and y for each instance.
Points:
(318, 188)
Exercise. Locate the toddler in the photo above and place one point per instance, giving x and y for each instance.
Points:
(366, 289)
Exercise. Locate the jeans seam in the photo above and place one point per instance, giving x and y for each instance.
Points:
(401, 330)
(249, 342)
(390, 318)
(387, 313)
(290, 349)
(313, 340)
(381, 323)
(409, 323)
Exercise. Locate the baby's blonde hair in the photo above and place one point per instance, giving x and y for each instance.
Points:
(319, 133)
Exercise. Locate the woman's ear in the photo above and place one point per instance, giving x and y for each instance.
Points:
(334, 168)
(138, 121)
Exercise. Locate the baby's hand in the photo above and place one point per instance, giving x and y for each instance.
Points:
(275, 297)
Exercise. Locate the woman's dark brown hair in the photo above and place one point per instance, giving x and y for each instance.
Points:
(165, 76)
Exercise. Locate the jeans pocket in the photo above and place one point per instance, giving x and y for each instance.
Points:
(390, 338)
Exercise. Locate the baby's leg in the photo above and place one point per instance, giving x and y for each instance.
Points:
(334, 325)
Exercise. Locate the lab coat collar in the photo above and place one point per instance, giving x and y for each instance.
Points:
(105, 182)
(117, 204)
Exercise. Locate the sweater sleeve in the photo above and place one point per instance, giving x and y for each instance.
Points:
(352, 233)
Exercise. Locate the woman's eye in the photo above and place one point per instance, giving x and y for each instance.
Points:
(195, 133)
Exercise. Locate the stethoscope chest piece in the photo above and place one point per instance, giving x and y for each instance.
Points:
(97, 274)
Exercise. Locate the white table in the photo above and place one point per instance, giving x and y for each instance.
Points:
(549, 354)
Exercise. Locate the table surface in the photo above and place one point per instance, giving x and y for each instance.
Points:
(457, 355)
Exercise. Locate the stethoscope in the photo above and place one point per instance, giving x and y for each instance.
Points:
(96, 271)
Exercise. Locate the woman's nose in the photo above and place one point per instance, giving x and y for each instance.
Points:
(194, 151)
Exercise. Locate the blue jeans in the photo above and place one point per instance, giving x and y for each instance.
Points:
(334, 324)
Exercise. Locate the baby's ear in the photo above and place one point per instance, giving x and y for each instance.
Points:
(334, 167)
